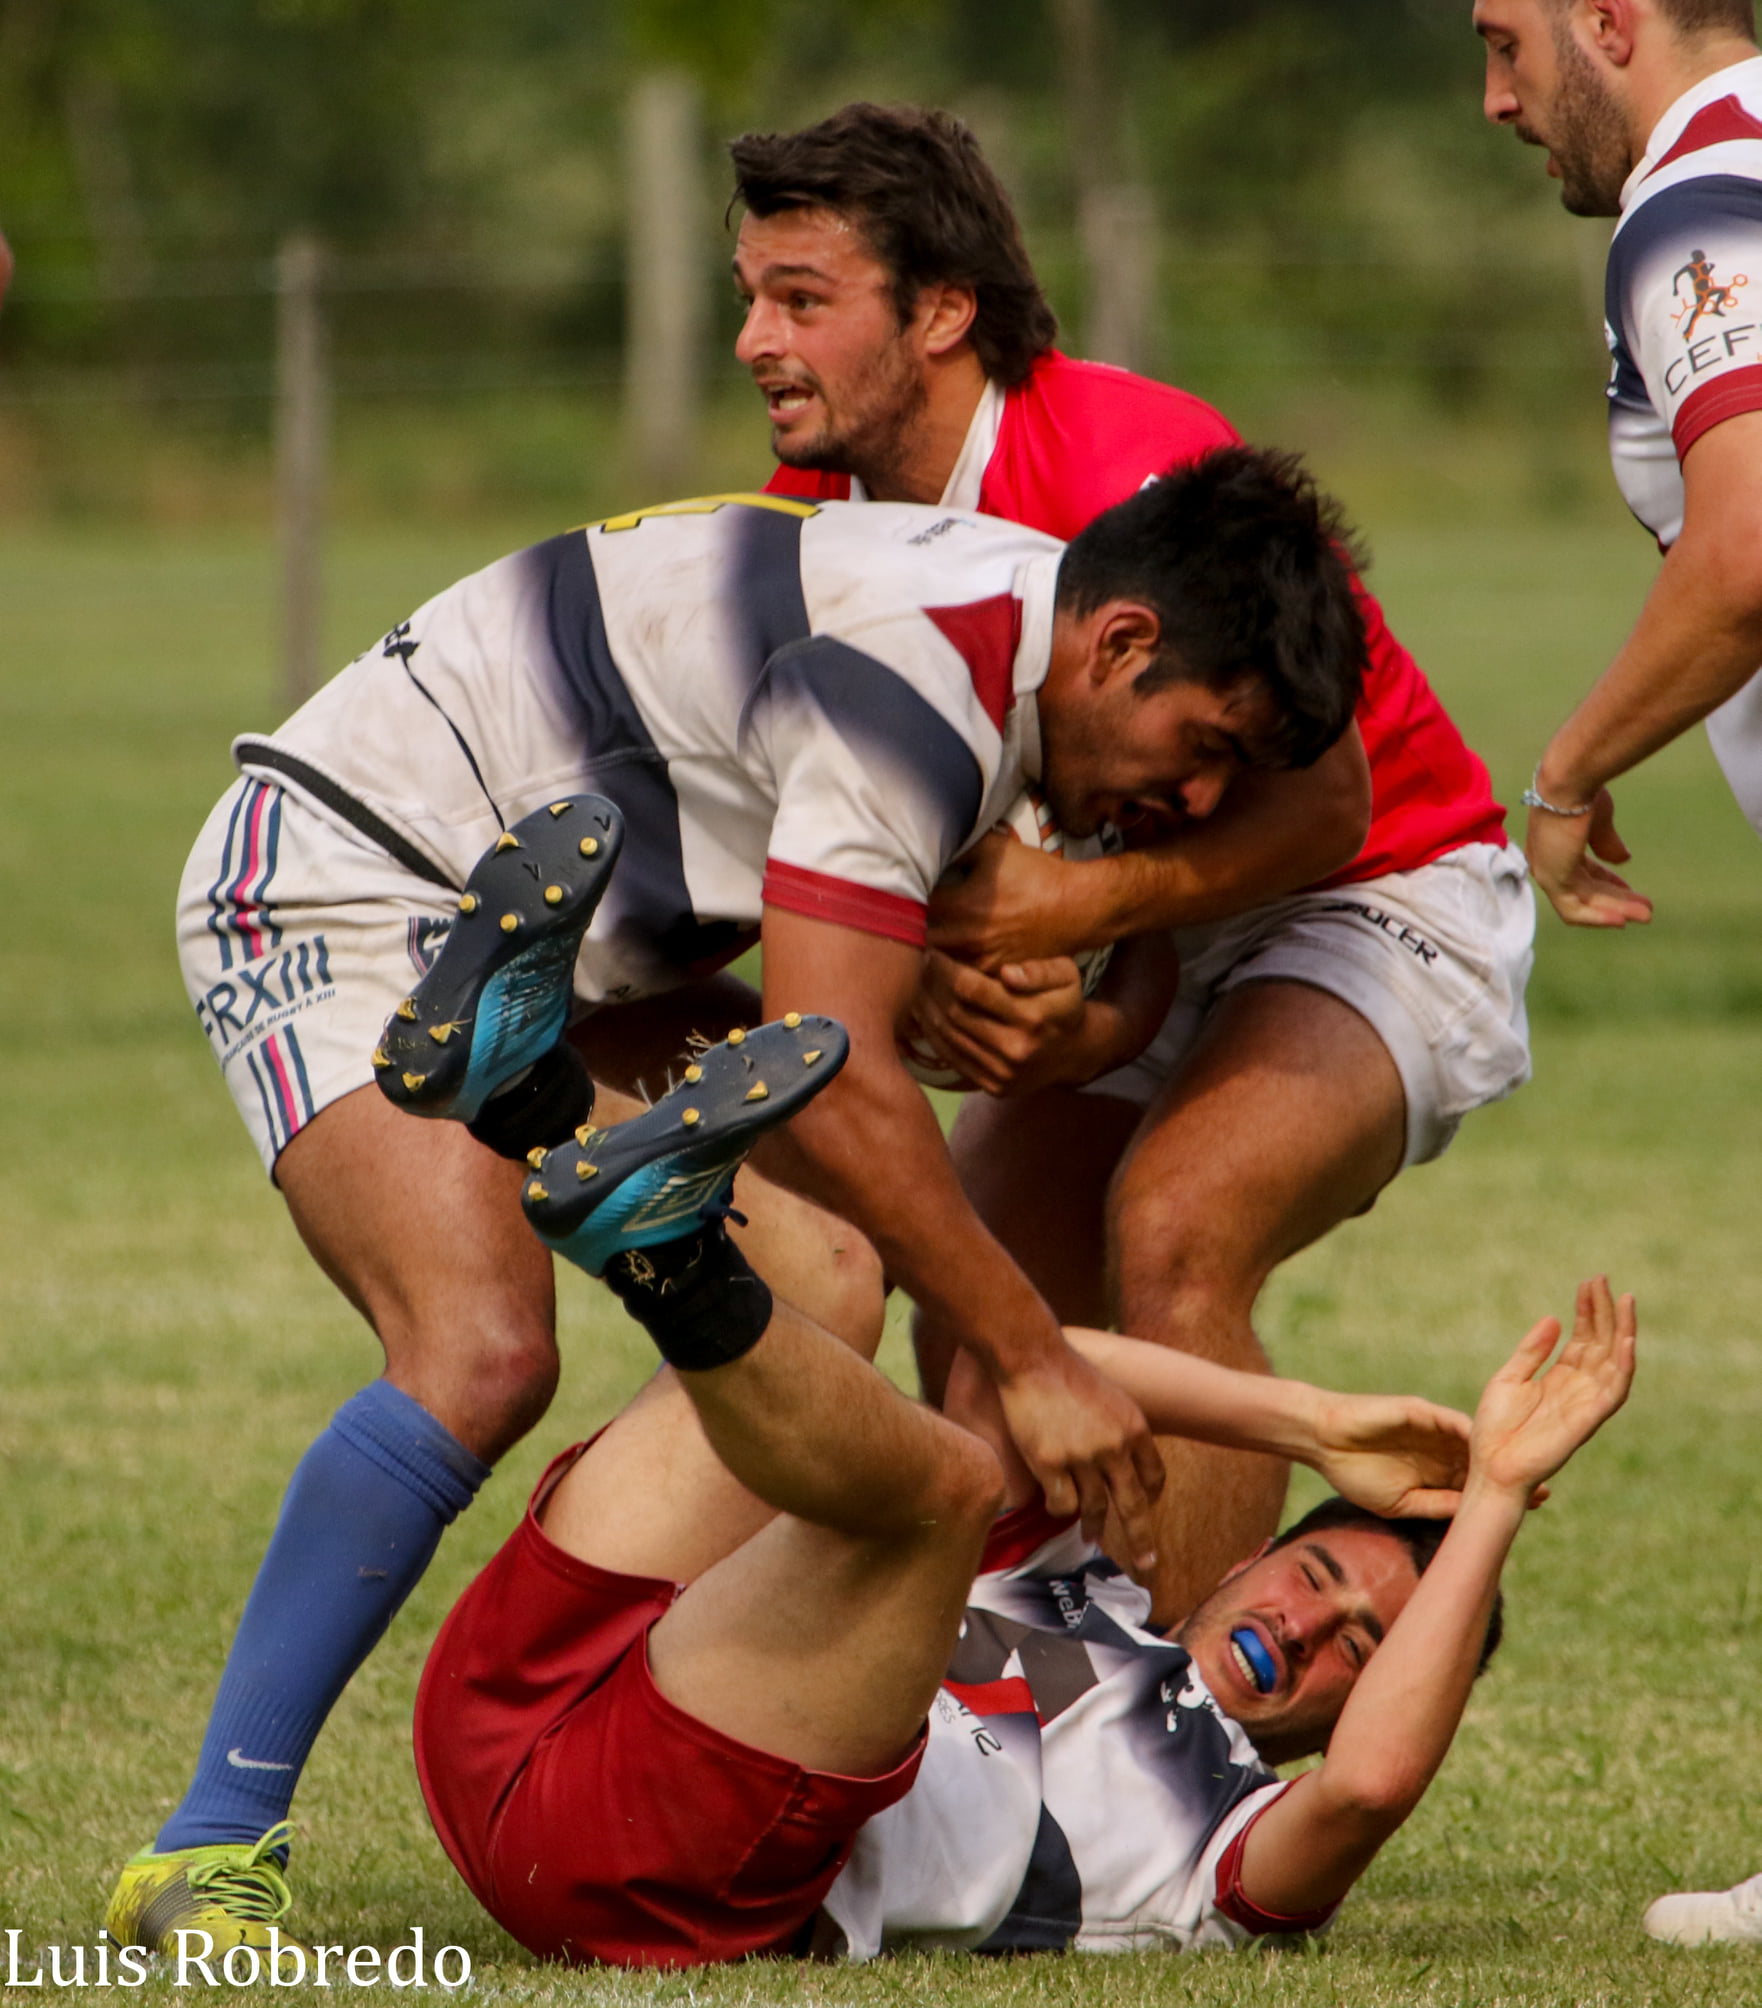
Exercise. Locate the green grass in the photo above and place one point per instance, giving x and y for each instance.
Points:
(168, 1350)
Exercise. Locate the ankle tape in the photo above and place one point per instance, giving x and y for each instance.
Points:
(697, 1298)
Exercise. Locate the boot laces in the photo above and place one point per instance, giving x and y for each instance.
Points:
(252, 1887)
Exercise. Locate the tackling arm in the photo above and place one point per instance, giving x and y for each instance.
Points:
(870, 1149)
(1392, 1454)
(1030, 1026)
(1697, 642)
(1313, 1843)
(1273, 833)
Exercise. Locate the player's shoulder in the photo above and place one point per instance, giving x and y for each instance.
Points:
(1704, 167)
(1077, 437)
(1119, 403)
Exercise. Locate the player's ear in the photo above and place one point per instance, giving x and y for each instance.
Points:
(1609, 25)
(945, 316)
(1127, 638)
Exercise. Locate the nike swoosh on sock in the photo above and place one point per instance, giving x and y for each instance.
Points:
(240, 1762)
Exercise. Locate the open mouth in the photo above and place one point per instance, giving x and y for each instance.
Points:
(1253, 1661)
(784, 400)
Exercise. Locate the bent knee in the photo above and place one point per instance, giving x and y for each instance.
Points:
(488, 1370)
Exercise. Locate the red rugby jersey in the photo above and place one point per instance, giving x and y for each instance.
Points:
(1076, 438)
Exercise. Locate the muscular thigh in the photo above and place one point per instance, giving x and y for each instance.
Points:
(1286, 1116)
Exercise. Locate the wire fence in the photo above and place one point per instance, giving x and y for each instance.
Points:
(506, 351)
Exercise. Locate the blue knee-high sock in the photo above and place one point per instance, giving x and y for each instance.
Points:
(362, 1516)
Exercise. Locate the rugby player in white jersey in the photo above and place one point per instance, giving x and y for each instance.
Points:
(789, 717)
(1651, 111)
(761, 1671)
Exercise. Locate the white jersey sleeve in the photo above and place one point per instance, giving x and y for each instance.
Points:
(1684, 313)
(876, 790)
(1684, 295)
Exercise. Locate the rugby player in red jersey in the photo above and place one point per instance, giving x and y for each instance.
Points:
(1355, 938)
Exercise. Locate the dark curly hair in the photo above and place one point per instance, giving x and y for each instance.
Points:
(1247, 566)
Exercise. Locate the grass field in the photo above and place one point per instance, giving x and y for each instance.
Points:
(169, 1351)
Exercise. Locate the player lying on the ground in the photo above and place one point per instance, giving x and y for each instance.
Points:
(1355, 938)
(796, 715)
(681, 1717)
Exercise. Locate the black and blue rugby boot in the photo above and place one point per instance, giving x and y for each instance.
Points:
(497, 999)
(659, 1176)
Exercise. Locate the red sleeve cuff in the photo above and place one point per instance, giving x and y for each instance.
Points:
(1237, 1907)
(1725, 397)
(846, 904)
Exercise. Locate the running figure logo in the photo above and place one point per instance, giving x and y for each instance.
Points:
(1705, 294)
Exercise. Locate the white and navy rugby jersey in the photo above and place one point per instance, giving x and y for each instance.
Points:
(1080, 1787)
(1684, 324)
(810, 705)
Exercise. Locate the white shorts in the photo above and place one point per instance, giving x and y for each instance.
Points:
(1435, 959)
(298, 939)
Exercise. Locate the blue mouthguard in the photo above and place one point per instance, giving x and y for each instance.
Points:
(1259, 1659)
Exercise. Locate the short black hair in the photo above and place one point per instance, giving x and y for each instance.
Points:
(1421, 1538)
(1249, 569)
(929, 207)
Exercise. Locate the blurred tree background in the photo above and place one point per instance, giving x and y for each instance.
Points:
(1342, 255)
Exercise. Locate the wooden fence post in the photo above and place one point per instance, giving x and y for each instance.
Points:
(1116, 218)
(302, 453)
(667, 278)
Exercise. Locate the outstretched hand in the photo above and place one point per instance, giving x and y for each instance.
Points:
(1394, 1454)
(1563, 853)
(1533, 1416)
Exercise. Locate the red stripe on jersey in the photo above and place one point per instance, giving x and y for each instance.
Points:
(845, 903)
(1242, 1910)
(1009, 1696)
(1728, 396)
(987, 633)
(1711, 126)
(1021, 1532)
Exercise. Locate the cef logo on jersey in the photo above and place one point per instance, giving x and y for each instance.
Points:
(1702, 294)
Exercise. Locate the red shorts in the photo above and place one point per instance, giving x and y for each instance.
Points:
(590, 1817)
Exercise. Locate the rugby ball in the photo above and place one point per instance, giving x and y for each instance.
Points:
(1030, 821)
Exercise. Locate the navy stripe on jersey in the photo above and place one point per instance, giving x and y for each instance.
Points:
(763, 584)
(648, 898)
(874, 710)
(1048, 1911)
(1677, 214)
